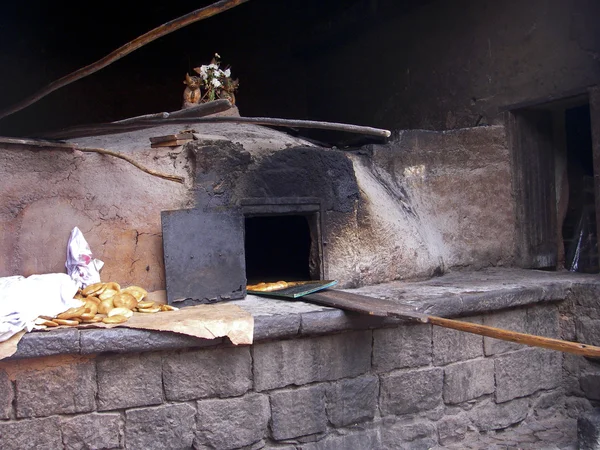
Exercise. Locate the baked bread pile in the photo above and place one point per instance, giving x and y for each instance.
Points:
(104, 302)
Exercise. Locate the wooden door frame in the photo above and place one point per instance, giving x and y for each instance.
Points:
(594, 99)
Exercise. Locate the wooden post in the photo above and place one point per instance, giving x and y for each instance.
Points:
(594, 95)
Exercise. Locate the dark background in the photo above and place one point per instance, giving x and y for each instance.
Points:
(434, 64)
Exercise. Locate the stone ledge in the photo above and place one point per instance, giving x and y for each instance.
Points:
(452, 295)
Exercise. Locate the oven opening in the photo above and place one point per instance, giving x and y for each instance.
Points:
(281, 247)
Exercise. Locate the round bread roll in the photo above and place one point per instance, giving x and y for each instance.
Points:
(114, 319)
(119, 311)
(105, 306)
(70, 323)
(108, 293)
(91, 298)
(138, 292)
(92, 289)
(71, 313)
(146, 304)
(154, 309)
(125, 300)
(97, 318)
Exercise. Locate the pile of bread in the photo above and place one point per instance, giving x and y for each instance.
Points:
(104, 302)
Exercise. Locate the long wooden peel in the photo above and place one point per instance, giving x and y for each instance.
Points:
(124, 50)
(386, 308)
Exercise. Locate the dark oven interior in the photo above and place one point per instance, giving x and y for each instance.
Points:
(282, 239)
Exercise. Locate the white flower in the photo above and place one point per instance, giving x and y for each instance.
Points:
(213, 67)
(203, 72)
(217, 55)
(216, 83)
(227, 73)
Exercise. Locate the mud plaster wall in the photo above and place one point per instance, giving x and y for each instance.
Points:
(45, 193)
(432, 202)
(452, 63)
(425, 203)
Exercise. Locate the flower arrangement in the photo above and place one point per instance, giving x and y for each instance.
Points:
(217, 83)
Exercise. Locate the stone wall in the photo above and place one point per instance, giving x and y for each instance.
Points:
(581, 323)
(409, 386)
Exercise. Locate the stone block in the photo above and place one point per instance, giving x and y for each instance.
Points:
(587, 296)
(419, 435)
(129, 340)
(576, 406)
(63, 389)
(588, 430)
(129, 380)
(301, 361)
(452, 429)
(224, 372)
(514, 320)
(352, 401)
(367, 439)
(401, 347)
(332, 320)
(276, 326)
(31, 434)
(548, 404)
(488, 415)
(590, 385)
(522, 373)
(411, 391)
(468, 380)
(91, 431)
(164, 427)
(451, 345)
(298, 412)
(225, 424)
(587, 330)
(543, 320)
(59, 342)
(6, 395)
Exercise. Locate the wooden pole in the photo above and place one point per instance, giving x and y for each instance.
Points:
(388, 308)
(519, 338)
(124, 50)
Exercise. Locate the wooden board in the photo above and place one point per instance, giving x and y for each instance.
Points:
(171, 137)
(365, 305)
(173, 143)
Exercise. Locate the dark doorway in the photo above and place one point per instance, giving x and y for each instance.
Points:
(277, 248)
(579, 227)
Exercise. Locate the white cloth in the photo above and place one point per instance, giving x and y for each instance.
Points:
(81, 265)
(22, 300)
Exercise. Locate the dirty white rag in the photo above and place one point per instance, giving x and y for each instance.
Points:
(22, 300)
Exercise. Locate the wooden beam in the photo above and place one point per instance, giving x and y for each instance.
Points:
(269, 121)
(139, 122)
(152, 35)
